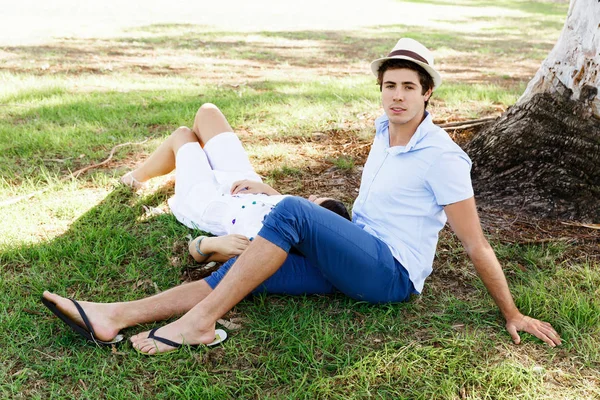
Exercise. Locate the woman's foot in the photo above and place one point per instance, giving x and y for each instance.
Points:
(101, 316)
(222, 248)
(130, 180)
(184, 331)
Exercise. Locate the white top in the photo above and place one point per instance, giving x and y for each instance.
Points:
(241, 214)
(403, 191)
(202, 188)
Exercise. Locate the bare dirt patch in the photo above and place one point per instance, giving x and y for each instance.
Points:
(216, 57)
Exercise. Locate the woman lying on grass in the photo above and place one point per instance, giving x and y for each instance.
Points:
(216, 188)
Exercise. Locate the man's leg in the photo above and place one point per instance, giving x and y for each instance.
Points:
(162, 160)
(254, 266)
(296, 277)
(355, 262)
(108, 319)
(359, 263)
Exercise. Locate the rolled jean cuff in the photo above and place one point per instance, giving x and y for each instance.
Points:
(281, 227)
(274, 237)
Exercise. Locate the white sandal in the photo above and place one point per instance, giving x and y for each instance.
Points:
(129, 180)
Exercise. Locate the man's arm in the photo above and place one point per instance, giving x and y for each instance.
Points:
(464, 221)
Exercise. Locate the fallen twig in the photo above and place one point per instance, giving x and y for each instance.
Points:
(29, 311)
(20, 198)
(46, 354)
(58, 159)
(72, 175)
(110, 156)
(591, 226)
(467, 124)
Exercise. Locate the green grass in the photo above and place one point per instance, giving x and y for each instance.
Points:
(93, 240)
(343, 163)
(543, 7)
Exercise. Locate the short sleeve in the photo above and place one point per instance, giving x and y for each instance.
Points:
(450, 178)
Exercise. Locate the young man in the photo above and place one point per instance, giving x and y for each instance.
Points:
(415, 178)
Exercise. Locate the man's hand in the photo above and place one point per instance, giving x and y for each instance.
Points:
(248, 186)
(464, 220)
(540, 329)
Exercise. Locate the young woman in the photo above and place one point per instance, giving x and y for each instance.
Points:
(216, 188)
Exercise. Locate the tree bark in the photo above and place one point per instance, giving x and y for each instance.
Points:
(543, 155)
(573, 64)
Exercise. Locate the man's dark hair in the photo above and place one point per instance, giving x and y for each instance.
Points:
(337, 207)
(425, 79)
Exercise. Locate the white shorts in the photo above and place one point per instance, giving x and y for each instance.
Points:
(203, 176)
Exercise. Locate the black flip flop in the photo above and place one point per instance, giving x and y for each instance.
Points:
(88, 333)
(220, 337)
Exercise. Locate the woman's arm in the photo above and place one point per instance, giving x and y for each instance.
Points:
(220, 248)
(248, 186)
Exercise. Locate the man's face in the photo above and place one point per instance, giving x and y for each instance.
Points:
(401, 97)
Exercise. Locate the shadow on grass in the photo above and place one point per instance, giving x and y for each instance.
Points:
(317, 345)
(115, 243)
(311, 347)
(157, 48)
(310, 344)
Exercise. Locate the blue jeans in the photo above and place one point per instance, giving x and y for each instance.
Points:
(334, 254)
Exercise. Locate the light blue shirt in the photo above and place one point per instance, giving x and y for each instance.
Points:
(403, 191)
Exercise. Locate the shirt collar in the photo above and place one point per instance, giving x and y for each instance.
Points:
(426, 126)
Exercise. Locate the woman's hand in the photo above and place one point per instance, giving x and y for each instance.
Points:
(248, 186)
(219, 248)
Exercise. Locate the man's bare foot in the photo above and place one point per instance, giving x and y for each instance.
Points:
(129, 180)
(183, 331)
(106, 327)
(223, 247)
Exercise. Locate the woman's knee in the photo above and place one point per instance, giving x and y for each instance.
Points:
(207, 111)
(183, 134)
(209, 122)
(208, 107)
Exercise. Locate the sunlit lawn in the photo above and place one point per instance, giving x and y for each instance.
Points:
(65, 105)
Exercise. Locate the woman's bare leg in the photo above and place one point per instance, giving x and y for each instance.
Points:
(162, 161)
(208, 123)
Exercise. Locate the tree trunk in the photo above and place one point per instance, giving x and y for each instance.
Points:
(543, 155)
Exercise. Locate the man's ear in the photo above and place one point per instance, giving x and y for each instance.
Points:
(428, 94)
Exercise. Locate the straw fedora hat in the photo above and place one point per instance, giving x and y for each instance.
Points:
(411, 50)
